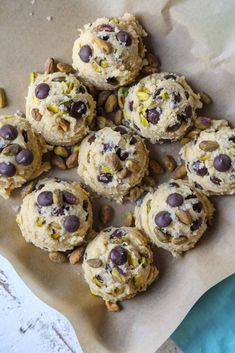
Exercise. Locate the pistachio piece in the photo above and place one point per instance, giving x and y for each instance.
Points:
(185, 140)
(208, 146)
(106, 213)
(184, 216)
(58, 162)
(148, 206)
(55, 235)
(27, 189)
(105, 47)
(97, 281)
(76, 255)
(155, 167)
(138, 280)
(36, 115)
(180, 240)
(95, 263)
(111, 103)
(113, 160)
(133, 261)
(61, 151)
(102, 97)
(102, 122)
(57, 257)
(53, 108)
(128, 219)
(203, 122)
(49, 66)
(143, 120)
(143, 96)
(11, 150)
(169, 163)
(118, 117)
(118, 276)
(66, 68)
(62, 123)
(33, 76)
(193, 133)
(180, 172)
(3, 99)
(72, 160)
(39, 221)
(133, 166)
(149, 181)
(112, 307)
(122, 93)
(205, 98)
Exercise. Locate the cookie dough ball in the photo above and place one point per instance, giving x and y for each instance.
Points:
(210, 161)
(56, 216)
(161, 107)
(21, 153)
(118, 264)
(174, 216)
(59, 107)
(109, 52)
(112, 161)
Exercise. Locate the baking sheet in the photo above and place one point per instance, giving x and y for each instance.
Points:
(195, 38)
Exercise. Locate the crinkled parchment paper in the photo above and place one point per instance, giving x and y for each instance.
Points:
(195, 38)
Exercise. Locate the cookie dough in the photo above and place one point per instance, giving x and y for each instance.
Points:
(161, 107)
(118, 264)
(56, 216)
(112, 161)
(174, 216)
(59, 107)
(210, 160)
(109, 52)
(21, 153)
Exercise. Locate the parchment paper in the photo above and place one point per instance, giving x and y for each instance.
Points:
(195, 38)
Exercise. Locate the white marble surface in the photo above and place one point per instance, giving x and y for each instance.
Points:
(27, 324)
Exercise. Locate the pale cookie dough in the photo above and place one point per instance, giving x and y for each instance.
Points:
(174, 216)
(109, 52)
(210, 160)
(112, 161)
(21, 152)
(56, 216)
(119, 263)
(59, 107)
(161, 107)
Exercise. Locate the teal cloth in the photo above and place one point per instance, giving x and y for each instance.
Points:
(210, 325)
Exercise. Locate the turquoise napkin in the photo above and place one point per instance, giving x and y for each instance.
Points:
(210, 325)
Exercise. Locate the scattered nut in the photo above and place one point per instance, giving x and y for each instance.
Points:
(185, 140)
(101, 121)
(106, 213)
(193, 133)
(106, 47)
(111, 103)
(153, 60)
(33, 76)
(76, 255)
(184, 216)
(205, 98)
(27, 189)
(95, 263)
(118, 117)
(3, 99)
(58, 162)
(135, 193)
(62, 124)
(203, 122)
(128, 219)
(57, 257)
(61, 151)
(72, 160)
(169, 163)
(149, 181)
(208, 146)
(112, 307)
(102, 97)
(148, 70)
(180, 172)
(49, 66)
(36, 115)
(65, 68)
(155, 167)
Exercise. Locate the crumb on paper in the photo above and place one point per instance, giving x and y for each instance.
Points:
(31, 14)
(49, 18)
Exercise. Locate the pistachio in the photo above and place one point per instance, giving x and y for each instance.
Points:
(113, 160)
(62, 123)
(57, 257)
(163, 238)
(105, 213)
(3, 100)
(76, 255)
(169, 163)
(57, 200)
(193, 133)
(117, 275)
(104, 63)
(33, 76)
(58, 162)
(205, 98)
(53, 108)
(185, 140)
(180, 172)
(59, 79)
(128, 219)
(204, 158)
(143, 120)
(55, 235)
(122, 93)
(164, 95)
(184, 216)
(112, 307)
(91, 89)
(135, 193)
(36, 115)
(139, 281)
(155, 167)
(66, 68)
(133, 166)
(133, 261)
(149, 181)
(102, 97)
(72, 160)
(118, 117)
(27, 189)
(97, 281)
(180, 240)
(111, 103)
(148, 206)
(49, 66)
(39, 221)
(76, 148)
(208, 146)
(101, 121)
(95, 263)
(143, 96)
(203, 122)
(11, 150)
(105, 47)
(61, 151)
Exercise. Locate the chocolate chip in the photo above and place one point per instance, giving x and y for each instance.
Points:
(136, 127)
(85, 205)
(197, 207)
(153, 115)
(24, 157)
(85, 53)
(186, 94)
(7, 169)
(8, 132)
(187, 112)
(45, 198)
(118, 233)
(25, 136)
(163, 219)
(123, 155)
(130, 105)
(157, 92)
(173, 184)
(119, 255)
(59, 211)
(133, 140)
(71, 223)
(191, 196)
(112, 81)
(199, 168)
(107, 147)
(232, 138)
(77, 109)
(222, 162)
(92, 138)
(69, 198)
(198, 186)
(124, 38)
(170, 77)
(42, 90)
(175, 127)
(196, 224)
(175, 199)
(176, 97)
(215, 180)
(120, 129)
(105, 178)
